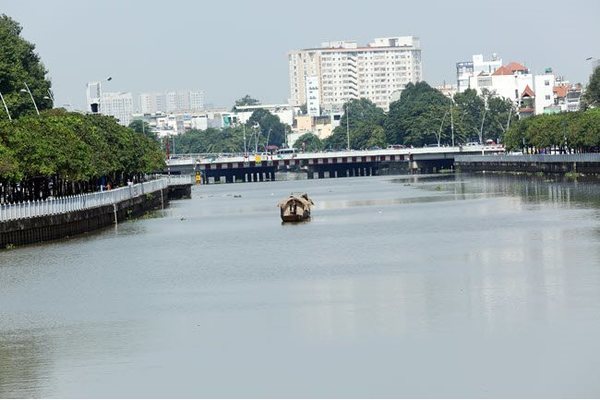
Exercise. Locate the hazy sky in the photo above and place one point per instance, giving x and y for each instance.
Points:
(231, 48)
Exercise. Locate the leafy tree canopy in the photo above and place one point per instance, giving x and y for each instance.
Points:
(247, 100)
(309, 142)
(141, 126)
(361, 120)
(579, 131)
(20, 65)
(416, 119)
(271, 131)
(592, 91)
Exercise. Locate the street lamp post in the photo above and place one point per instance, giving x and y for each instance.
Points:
(95, 100)
(5, 107)
(30, 95)
(348, 125)
(452, 120)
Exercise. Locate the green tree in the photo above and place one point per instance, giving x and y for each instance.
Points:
(20, 65)
(501, 112)
(141, 126)
(591, 96)
(271, 131)
(360, 119)
(468, 115)
(247, 100)
(419, 117)
(309, 142)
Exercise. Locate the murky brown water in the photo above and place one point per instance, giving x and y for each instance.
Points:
(399, 287)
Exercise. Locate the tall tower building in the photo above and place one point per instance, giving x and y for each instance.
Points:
(119, 105)
(345, 71)
(173, 101)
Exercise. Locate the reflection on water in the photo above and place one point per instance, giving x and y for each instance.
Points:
(485, 285)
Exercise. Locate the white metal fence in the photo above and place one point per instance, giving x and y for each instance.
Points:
(178, 179)
(61, 205)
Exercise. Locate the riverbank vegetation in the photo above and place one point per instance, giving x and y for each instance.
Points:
(577, 132)
(51, 152)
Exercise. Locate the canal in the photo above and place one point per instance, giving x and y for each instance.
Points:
(415, 286)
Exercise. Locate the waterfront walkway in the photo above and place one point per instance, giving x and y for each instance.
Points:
(66, 204)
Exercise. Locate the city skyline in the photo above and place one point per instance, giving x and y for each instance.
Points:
(245, 51)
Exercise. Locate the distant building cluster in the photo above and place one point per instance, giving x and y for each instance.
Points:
(171, 102)
(531, 94)
(121, 104)
(323, 79)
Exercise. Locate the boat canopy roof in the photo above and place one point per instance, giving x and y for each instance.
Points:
(301, 198)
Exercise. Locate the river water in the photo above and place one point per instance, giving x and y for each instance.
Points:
(440, 286)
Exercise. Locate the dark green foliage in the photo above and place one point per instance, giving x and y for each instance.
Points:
(247, 100)
(566, 132)
(364, 122)
(416, 118)
(211, 140)
(57, 152)
(141, 126)
(75, 147)
(271, 130)
(309, 142)
(591, 97)
(19, 64)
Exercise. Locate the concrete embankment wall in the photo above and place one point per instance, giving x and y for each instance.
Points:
(50, 227)
(546, 163)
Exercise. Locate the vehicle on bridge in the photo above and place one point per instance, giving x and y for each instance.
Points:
(295, 208)
(287, 151)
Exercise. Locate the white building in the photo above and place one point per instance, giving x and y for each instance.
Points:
(345, 71)
(543, 86)
(117, 104)
(531, 94)
(512, 81)
(172, 101)
(465, 70)
(92, 94)
(285, 112)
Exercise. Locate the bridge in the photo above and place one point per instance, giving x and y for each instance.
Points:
(231, 168)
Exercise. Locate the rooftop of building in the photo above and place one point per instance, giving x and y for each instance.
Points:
(511, 69)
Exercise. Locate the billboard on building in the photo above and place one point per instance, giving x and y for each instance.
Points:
(313, 103)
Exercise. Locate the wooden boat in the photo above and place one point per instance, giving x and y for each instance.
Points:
(295, 208)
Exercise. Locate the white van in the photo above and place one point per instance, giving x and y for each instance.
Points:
(290, 151)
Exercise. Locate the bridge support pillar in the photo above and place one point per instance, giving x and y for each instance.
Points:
(321, 174)
(229, 178)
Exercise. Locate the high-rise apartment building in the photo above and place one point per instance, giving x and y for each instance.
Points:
(151, 103)
(342, 71)
(172, 101)
(119, 105)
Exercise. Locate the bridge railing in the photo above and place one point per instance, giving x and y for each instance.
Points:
(62, 205)
(532, 158)
(184, 179)
(193, 159)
